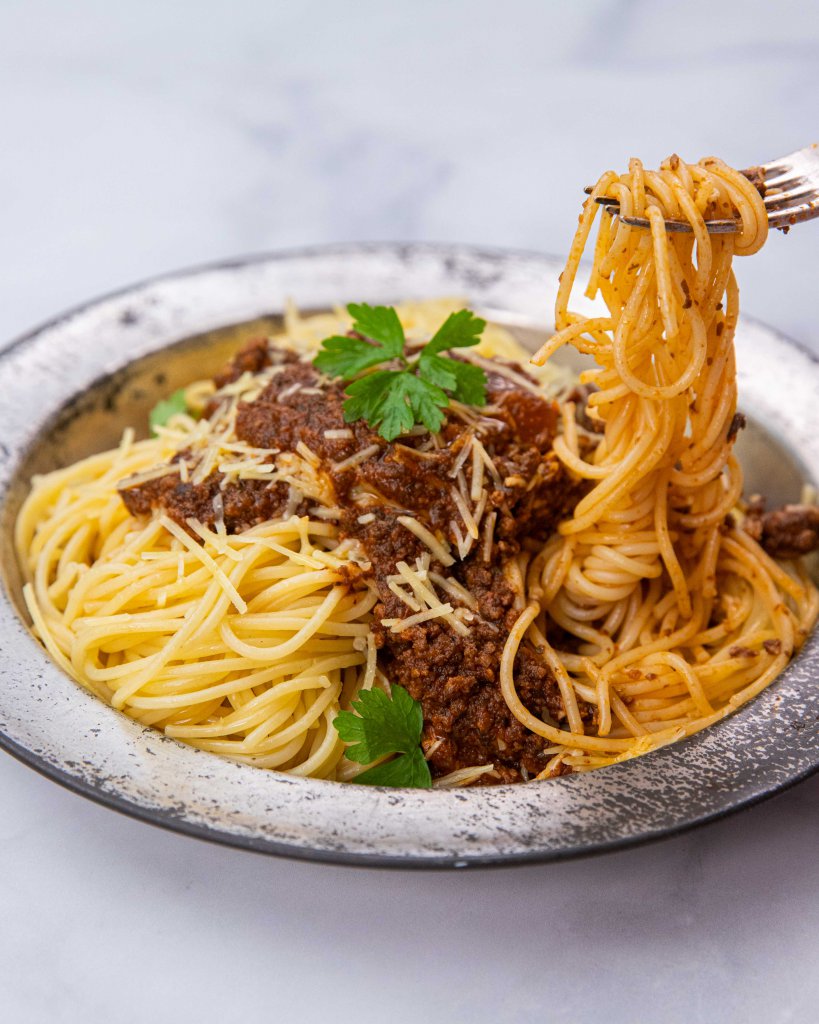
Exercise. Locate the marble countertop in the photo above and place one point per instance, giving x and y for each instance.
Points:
(144, 136)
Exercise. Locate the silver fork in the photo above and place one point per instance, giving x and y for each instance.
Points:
(789, 185)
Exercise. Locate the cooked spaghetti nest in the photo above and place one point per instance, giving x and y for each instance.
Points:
(242, 644)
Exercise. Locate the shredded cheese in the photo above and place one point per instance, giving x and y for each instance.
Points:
(206, 559)
(399, 625)
(408, 599)
(455, 589)
(477, 472)
(357, 457)
(426, 596)
(481, 507)
(499, 368)
(466, 515)
(462, 776)
(320, 512)
(463, 544)
(149, 474)
(308, 454)
(426, 537)
(463, 454)
(487, 461)
(488, 536)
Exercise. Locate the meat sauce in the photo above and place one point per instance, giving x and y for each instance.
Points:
(788, 532)
(528, 492)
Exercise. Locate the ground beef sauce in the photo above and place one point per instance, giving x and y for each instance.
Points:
(455, 677)
(788, 532)
(243, 504)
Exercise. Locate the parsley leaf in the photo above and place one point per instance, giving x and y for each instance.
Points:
(426, 400)
(380, 323)
(460, 330)
(383, 725)
(164, 409)
(392, 401)
(345, 357)
(386, 725)
(373, 398)
(409, 770)
(466, 382)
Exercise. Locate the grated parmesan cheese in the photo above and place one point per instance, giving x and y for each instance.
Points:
(463, 455)
(402, 594)
(478, 468)
(426, 596)
(206, 559)
(487, 461)
(499, 368)
(357, 457)
(455, 589)
(308, 454)
(149, 474)
(462, 776)
(437, 548)
(465, 513)
(322, 512)
(399, 625)
(489, 536)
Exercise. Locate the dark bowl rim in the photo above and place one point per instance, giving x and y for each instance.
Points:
(170, 821)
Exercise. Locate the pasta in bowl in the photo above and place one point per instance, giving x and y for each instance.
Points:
(556, 577)
(104, 368)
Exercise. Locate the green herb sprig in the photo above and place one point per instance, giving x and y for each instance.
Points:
(165, 408)
(383, 726)
(392, 401)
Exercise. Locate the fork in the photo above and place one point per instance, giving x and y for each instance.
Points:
(789, 185)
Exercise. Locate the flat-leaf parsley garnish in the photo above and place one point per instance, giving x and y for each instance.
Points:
(167, 407)
(417, 391)
(383, 726)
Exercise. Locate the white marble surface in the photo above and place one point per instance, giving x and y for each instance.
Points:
(143, 136)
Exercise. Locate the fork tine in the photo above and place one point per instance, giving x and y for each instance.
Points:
(791, 194)
(792, 167)
(715, 227)
(798, 198)
(794, 215)
(781, 181)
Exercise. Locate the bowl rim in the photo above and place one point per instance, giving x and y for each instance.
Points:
(175, 816)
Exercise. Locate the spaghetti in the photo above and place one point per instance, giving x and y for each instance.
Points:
(673, 615)
(245, 638)
(560, 588)
(242, 644)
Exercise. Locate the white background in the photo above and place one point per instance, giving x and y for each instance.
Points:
(141, 136)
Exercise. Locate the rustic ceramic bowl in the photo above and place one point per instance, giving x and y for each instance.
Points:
(70, 386)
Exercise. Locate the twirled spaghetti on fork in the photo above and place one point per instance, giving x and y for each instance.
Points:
(671, 616)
